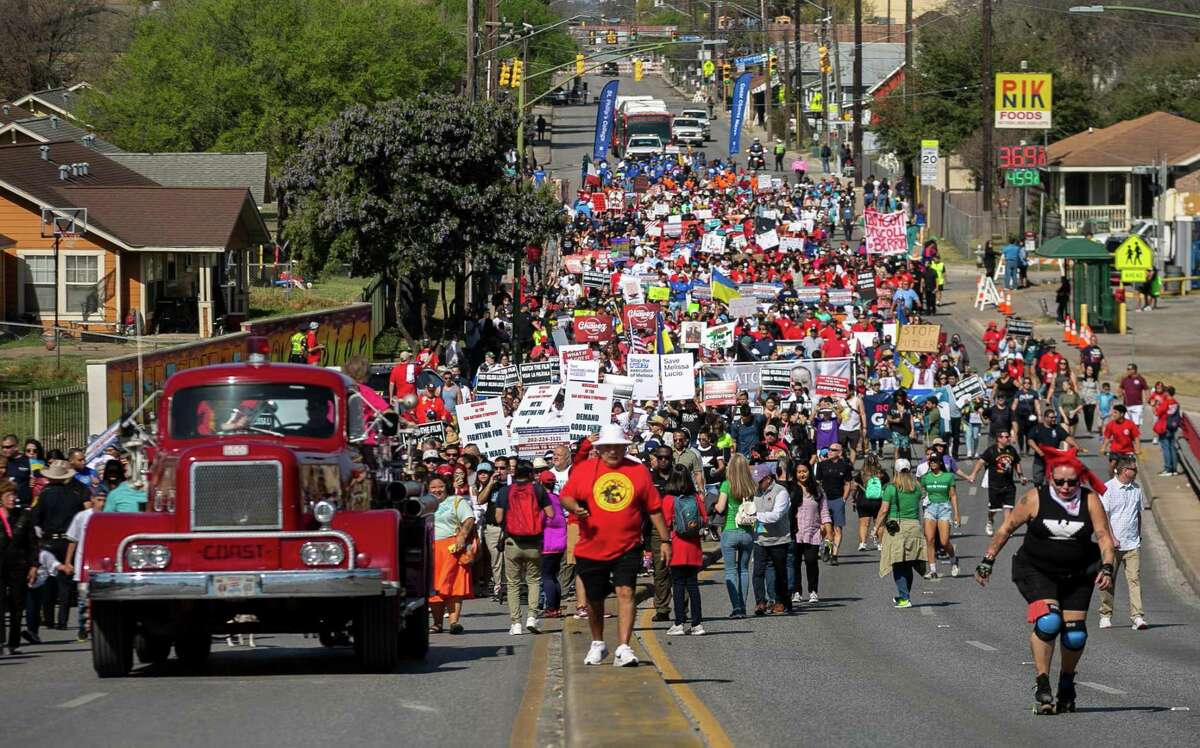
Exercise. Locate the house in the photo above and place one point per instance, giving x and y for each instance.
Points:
(10, 112)
(177, 256)
(60, 101)
(43, 129)
(245, 170)
(1104, 179)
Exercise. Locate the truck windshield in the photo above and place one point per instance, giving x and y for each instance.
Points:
(253, 408)
(660, 126)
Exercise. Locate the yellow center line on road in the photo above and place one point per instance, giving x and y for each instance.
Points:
(710, 727)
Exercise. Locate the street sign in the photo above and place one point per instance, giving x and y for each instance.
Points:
(1023, 101)
(709, 68)
(929, 161)
(747, 60)
(1133, 256)
(1134, 276)
(1022, 177)
(690, 39)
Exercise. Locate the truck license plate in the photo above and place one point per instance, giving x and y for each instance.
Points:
(234, 585)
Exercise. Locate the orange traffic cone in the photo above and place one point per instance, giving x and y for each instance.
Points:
(1008, 305)
(1068, 337)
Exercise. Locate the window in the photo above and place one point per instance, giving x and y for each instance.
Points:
(81, 275)
(1115, 185)
(39, 284)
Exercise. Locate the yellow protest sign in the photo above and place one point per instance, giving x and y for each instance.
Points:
(1024, 101)
(1133, 254)
(658, 293)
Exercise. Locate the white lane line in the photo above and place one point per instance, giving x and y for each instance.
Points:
(87, 698)
(416, 707)
(1102, 688)
(981, 645)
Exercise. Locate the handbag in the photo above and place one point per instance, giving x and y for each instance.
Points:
(466, 555)
(746, 514)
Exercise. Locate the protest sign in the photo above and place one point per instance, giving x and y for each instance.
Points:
(919, 338)
(808, 294)
(827, 386)
(1019, 328)
(419, 433)
(482, 423)
(641, 317)
(539, 372)
(678, 377)
(768, 239)
(573, 264)
(720, 393)
(631, 290)
(587, 407)
(886, 233)
(536, 406)
(763, 182)
(599, 202)
(643, 368)
(493, 383)
(839, 296)
(658, 293)
(597, 279)
(719, 338)
(791, 244)
(622, 386)
(536, 441)
(876, 407)
(743, 307)
(749, 375)
(594, 328)
(776, 379)
(583, 371)
(864, 283)
(713, 243)
(967, 390)
(691, 334)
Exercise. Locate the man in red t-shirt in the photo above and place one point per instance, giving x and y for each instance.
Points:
(609, 497)
(315, 349)
(402, 381)
(1120, 437)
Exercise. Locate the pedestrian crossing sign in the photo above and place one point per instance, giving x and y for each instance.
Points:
(1134, 254)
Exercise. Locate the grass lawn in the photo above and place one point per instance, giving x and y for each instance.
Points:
(37, 371)
(328, 292)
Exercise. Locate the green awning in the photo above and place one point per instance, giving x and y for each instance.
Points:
(1073, 248)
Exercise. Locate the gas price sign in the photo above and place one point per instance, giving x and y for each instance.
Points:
(1021, 156)
(1022, 177)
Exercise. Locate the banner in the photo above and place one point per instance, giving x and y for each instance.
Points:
(1024, 101)
(482, 423)
(801, 374)
(539, 372)
(720, 393)
(587, 408)
(737, 117)
(593, 328)
(606, 110)
(876, 407)
(643, 368)
(886, 233)
(536, 406)
(678, 377)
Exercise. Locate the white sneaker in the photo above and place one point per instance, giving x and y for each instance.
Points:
(1105, 622)
(812, 597)
(676, 630)
(796, 598)
(533, 625)
(515, 630)
(1139, 624)
(862, 546)
(596, 654)
(1165, 474)
(954, 570)
(988, 529)
(698, 631)
(624, 657)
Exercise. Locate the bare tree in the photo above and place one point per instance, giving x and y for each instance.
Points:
(43, 42)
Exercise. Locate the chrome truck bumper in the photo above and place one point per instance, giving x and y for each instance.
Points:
(239, 586)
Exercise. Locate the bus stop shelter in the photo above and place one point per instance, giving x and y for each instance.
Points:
(1091, 270)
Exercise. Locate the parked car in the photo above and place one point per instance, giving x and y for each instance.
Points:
(565, 97)
(701, 115)
(610, 70)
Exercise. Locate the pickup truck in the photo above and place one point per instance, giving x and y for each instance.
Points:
(687, 131)
(641, 146)
(701, 116)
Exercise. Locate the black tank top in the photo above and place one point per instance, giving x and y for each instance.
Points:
(1058, 543)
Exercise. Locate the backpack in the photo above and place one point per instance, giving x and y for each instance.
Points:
(523, 518)
(1174, 419)
(686, 522)
(874, 488)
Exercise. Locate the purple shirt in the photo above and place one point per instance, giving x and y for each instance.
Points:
(554, 530)
(826, 429)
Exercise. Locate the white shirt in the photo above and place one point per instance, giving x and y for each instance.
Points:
(1123, 504)
(76, 532)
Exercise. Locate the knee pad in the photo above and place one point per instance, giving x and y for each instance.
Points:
(1074, 635)
(1047, 620)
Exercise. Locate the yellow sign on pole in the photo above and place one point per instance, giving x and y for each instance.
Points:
(1134, 254)
(816, 103)
(1024, 101)
(709, 68)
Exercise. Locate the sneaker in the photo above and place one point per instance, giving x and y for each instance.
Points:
(625, 657)
(737, 615)
(903, 603)
(862, 546)
(698, 631)
(812, 597)
(833, 560)
(760, 609)
(81, 637)
(826, 551)
(552, 613)
(1165, 474)
(30, 637)
(988, 529)
(779, 609)
(1105, 622)
(596, 654)
(581, 613)
(954, 570)
(930, 574)
(1139, 624)
(533, 625)
(676, 630)
(515, 629)
(797, 598)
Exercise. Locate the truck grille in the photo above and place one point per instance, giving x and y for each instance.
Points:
(237, 496)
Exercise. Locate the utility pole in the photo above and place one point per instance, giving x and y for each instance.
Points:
(837, 82)
(798, 83)
(858, 93)
(825, 78)
(910, 174)
(989, 103)
(471, 44)
(490, 31)
(768, 99)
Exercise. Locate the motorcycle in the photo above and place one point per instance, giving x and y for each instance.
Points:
(757, 160)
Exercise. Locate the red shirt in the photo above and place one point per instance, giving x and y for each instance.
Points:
(1122, 436)
(404, 378)
(835, 348)
(684, 551)
(314, 352)
(426, 405)
(617, 499)
(1132, 388)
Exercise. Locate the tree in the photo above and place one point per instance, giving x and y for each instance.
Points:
(412, 189)
(1169, 82)
(40, 39)
(258, 74)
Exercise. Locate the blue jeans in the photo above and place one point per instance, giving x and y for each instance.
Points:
(973, 430)
(737, 546)
(1170, 452)
(902, 573)
(1011, 273)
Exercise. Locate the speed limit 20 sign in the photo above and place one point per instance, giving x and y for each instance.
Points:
(929, 160)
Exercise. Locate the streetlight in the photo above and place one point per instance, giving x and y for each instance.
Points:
(1132, 8)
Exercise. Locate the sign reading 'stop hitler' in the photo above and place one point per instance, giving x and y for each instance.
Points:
(1024, 101)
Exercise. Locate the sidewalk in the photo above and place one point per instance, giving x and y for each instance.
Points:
(1162, 343)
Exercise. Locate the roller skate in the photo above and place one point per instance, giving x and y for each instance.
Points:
(1043, 698)
(1066, 693)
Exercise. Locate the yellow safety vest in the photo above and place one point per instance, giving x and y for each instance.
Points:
(298, 343)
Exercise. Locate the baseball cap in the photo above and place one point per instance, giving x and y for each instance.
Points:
(546, 477)
(902, 465)
(762, 470)
(485, 467)
(312, 325)
(431, 454)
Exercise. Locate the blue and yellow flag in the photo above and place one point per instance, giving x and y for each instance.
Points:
(723, 288)
(662, 341)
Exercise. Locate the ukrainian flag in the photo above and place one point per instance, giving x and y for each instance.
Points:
(662, 341)
(723, 288)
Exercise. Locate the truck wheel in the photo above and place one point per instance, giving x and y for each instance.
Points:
(193, 649)
(414, 639)
(378, 630)
(112, 645)
(151, 649)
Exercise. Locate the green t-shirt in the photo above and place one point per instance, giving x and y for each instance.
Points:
(937, 486)
(725, 442)
(731, 507)
(902, 504)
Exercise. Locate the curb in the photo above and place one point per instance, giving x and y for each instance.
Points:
(1174, 529)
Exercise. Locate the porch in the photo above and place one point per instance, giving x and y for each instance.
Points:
(1101, 200)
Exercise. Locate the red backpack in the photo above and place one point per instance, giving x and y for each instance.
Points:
(523, 518)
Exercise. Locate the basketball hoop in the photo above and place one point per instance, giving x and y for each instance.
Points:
(65, 225)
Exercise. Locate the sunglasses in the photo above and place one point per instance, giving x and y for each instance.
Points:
(8, 446)
(1066, 482)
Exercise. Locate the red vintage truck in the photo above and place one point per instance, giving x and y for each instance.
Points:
(259, 518)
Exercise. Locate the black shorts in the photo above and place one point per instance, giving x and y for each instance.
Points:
(1002, 498)
(867, 508)
(849, 439)
(600, 577)
(1073, 592)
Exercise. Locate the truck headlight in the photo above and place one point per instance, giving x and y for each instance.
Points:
(322, 553)
(323, 512)
(141, 557)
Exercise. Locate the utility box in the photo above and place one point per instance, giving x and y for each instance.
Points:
(1090, 266)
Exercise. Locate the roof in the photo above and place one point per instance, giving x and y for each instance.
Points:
(22, 168)
(880, 59)
(1134, 142)
(1076, 248)
(10, 112)
(244, 170)
(47, 129)
(62, 99)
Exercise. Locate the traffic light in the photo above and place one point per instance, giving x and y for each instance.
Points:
(578, 64)
(726, 71)
(633, 36)
(504, 77)
(516, 73)
(823, 54)
(591, 37)
(637, 70)
(674, 35)
(771, 64)
(610, 37)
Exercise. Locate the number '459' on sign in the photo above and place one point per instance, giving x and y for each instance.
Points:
(1022, 177)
